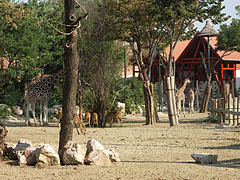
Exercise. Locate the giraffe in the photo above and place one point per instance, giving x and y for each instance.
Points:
(181, 97)
(40, 89)
(191, 100)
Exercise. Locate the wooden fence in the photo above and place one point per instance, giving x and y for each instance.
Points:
(226, 109)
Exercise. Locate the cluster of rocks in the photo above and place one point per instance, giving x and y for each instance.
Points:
(3, 145)
(71, 154)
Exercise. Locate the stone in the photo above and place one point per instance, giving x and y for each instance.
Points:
(3, 145)
(205, 158)
(17, 110)
(5, 110)
(113, 156)
(19, 148)
(98, 157)
(73, 154)
(46, 156)
(93, 145)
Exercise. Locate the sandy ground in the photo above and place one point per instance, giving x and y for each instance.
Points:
(146, 152)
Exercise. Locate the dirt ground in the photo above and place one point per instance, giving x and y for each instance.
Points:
(146, 152)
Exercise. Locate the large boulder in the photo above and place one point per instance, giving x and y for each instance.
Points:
(96, 154)
(46, 156)
(98, 157)
(93, 145)
(113, 156)
(3, 145)
(17, 110)
(73, 154)
(18, 150)
(5, 110)
(204, 158)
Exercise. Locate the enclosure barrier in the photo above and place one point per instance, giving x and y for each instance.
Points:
(226, 109)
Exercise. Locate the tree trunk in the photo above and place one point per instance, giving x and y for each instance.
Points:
(206, 97)
(71, 60)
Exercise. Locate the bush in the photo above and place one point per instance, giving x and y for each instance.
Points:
(212, 118)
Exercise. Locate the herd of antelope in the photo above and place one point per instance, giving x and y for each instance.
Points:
(91, 119)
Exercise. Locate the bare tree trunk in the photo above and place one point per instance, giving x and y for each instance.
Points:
(71, 68)
(206, 97)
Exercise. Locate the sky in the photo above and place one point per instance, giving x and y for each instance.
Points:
(229, 10)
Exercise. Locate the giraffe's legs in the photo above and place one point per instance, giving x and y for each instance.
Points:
(45, 114)
(33, 113)
(184, 107)
(41, 112)
(27, 120)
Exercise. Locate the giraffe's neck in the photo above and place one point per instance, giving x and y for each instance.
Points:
(184, 86)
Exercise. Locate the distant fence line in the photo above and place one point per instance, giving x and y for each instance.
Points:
(226, 109)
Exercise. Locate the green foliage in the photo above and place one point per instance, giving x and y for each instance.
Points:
(29, 45)
(229, 35)
(134, 93)
(212, 118)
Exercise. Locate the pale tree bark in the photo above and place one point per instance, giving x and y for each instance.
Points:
(148, 89)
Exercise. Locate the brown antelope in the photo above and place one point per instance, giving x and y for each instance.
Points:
(114, 116)
(94, 119)
(77, 122)
(88, 118)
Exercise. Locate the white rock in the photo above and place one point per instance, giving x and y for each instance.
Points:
(19, 148)
(22, 145)
(93, 145)
(17, 110)
(73, 153)
(46, 156)
(98, 157)
(113, 156)
(204, 158)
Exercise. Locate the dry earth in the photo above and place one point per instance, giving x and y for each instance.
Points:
(146, 152)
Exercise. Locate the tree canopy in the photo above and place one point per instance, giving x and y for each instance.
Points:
(229, 35)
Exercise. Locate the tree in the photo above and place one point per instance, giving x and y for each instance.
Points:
(178, 19)
(101, 63)
(29, 46)
(71, 60)
(229, 35)
(133, 22)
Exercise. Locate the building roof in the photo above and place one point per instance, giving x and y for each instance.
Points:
(181, 45)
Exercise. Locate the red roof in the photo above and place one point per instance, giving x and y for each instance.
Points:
(181, 45)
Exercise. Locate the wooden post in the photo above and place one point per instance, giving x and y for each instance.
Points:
(197, 95)
(238, 109)
(229, 108)
(172, 79)
(170, 104)
(233, 101)
(222, 107)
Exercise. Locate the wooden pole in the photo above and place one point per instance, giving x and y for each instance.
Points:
(197, 95)
(172, 79)
(170, 104)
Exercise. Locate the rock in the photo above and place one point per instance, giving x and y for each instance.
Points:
(113, 156)
(17, 150)
(46, 156)
(17, 110)
(73, 154)
(3, 145)
(21, 159)
(54, 109)
(98, 157)
(204, 158)
(5, 110)
(121, 106)
(93, 145)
